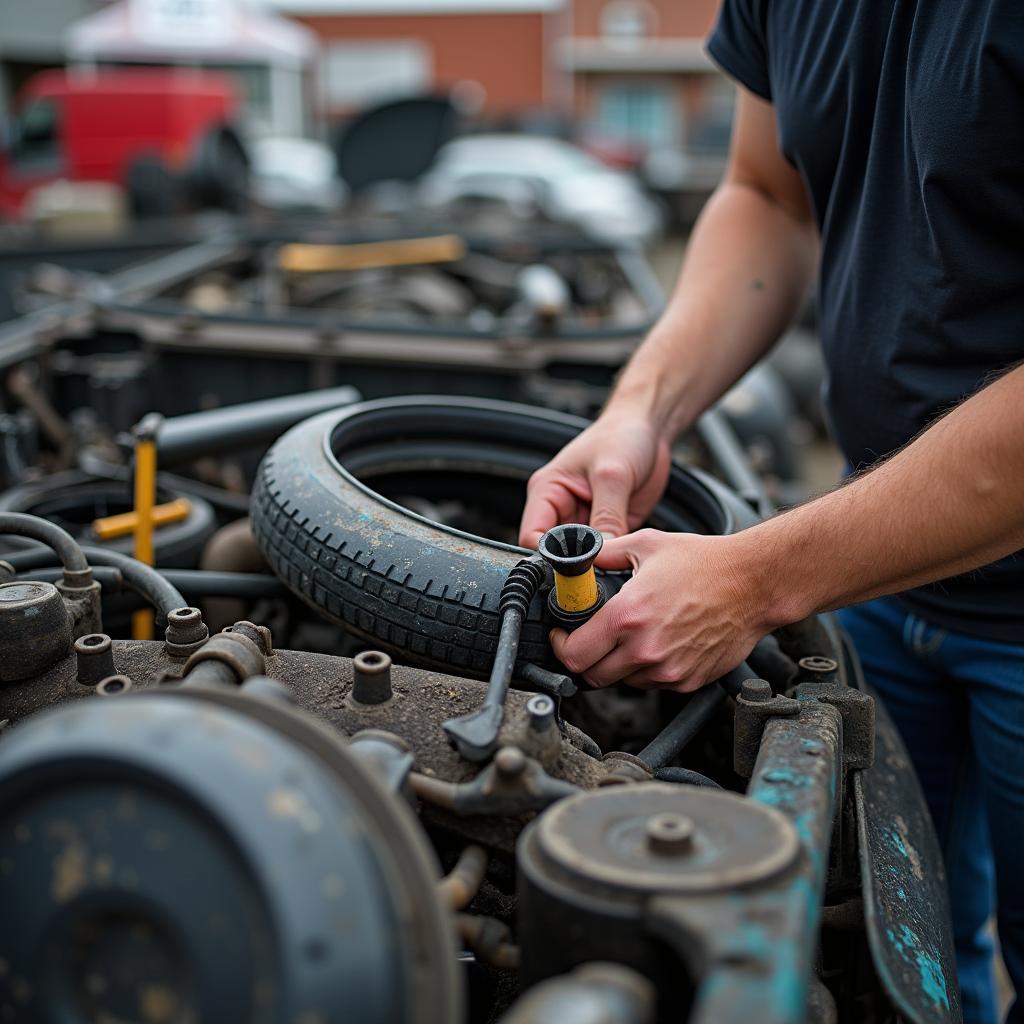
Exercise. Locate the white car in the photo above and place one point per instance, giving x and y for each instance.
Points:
(294, 174)
(540, 176)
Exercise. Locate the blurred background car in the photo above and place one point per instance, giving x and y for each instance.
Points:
(290, 173)
(536, 175)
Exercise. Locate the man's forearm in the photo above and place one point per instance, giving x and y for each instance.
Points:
(951, 501)
(748, 266)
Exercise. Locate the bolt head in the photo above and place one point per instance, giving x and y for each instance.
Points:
(670, 834)
(510, 762)
(756, 691)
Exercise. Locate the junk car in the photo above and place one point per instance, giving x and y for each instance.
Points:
(225, 824)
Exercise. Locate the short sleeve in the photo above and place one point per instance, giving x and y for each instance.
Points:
(737, 44)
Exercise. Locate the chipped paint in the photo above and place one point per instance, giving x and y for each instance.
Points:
(932, 979)
(70, 872)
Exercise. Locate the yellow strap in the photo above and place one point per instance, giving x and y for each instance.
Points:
(576, 593)
(145, 501)
(300, 257)
(123, 525)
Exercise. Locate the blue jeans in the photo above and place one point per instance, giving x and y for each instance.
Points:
(959, 703)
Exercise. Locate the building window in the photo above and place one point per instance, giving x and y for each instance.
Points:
(626, 22)
(643, 113)
(359, 74)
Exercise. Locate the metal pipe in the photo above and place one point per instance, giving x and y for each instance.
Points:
(192, 583)
(71, 554)
(669, 743)
(685, 777)
(142, 578)
(462, 883)
(183, 438)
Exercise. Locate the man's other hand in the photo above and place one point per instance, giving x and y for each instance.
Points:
(685, 618)
(611, 476)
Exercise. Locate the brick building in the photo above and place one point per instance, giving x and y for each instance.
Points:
(632, 71)
(639, 72)
(379, 49)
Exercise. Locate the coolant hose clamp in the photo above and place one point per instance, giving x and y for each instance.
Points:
(570, 550)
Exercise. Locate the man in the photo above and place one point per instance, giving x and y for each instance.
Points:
(888, 135)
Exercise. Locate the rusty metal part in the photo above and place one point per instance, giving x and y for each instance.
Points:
(371, 677)
(556, 684)
(114, 686)
(903, 885)
(322, 684)
(537, 732)
(755, 705)
(95, 656)
(462, 883)
(600, 863)
(259, 635)
(129, 878)
(625, 767)
(823, 683)
(754, 958)
(596, 993)
(186, 632)
(387, 756)
(489, 940)
(35, 629)
(512, 784)
(234, 656)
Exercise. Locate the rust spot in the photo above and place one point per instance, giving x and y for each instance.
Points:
(912, 855)
(70, 872)
(291, 805)
(157, 1004)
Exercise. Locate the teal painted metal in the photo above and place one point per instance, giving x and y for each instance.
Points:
(758, 957)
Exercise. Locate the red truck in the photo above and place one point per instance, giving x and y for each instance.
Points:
(155, 131)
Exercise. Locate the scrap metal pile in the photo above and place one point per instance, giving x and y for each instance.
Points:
(316, 761)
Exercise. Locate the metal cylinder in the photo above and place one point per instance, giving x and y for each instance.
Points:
(95, 656)
(371, 677)
(35, 629)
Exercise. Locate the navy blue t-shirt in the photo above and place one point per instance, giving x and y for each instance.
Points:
(905, 119)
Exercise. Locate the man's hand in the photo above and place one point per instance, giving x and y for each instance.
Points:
(611, 476)
(686, 617)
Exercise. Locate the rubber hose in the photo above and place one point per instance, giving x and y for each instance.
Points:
(71, 556)
(685, 777)
(194, 584)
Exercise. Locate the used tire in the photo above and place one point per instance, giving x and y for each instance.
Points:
(324, 516)
(74, 499)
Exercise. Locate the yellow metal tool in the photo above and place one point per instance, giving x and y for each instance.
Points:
(145, 502)
(301, 257)
(123, 524)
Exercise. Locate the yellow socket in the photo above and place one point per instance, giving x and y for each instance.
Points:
(576, 593)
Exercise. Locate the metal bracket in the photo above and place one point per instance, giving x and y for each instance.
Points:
(755, 704)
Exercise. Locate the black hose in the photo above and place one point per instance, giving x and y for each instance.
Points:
(669, 743)
(193, 583)
(142, 578)
(685, 777)
(59, 541)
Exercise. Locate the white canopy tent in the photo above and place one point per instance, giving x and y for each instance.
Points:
(206, 33)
